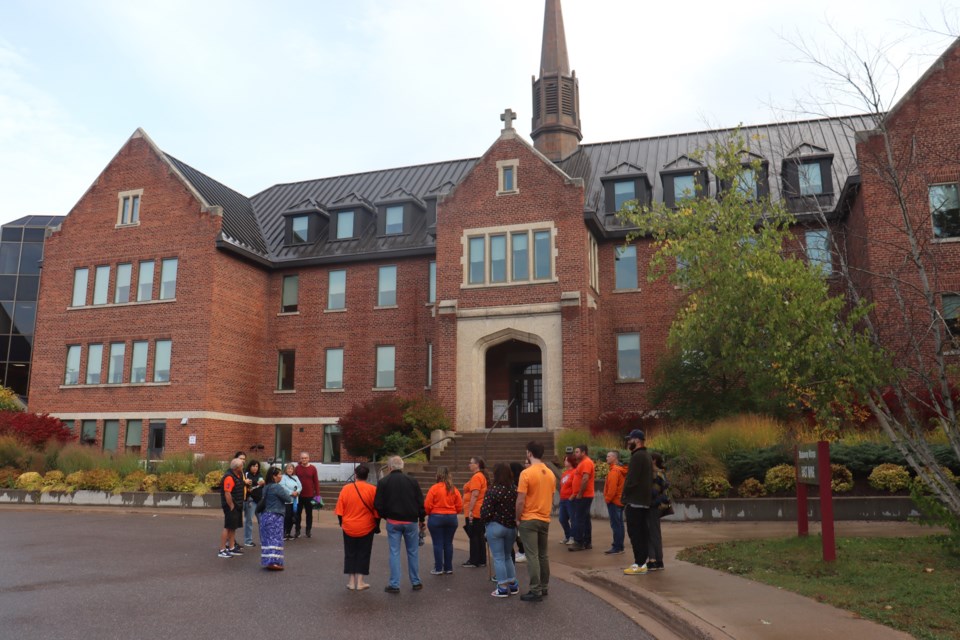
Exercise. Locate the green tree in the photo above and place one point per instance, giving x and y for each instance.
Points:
(757, 325)
(9, 400)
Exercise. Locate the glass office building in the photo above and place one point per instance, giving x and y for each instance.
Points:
(21, 250)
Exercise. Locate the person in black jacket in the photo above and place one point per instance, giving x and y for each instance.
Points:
(637, 494)
(399, 501)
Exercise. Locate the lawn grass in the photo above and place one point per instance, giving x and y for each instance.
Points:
(910, 584)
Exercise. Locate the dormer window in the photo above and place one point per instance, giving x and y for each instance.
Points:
(622, 188)
(129, 209)
(683, 185)
(751, 180)
(394, 220)
(344, 225)
(808, 179)
(811, 180)
(746, 183)
(507, 172)
(623, 192)
(299, 229)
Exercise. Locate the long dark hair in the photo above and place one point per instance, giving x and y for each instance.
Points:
(481, 466)
(443, 475)
(502, 474)
(272, 474)
(250, 466)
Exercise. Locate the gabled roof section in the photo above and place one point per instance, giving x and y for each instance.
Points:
(400, 195)
(307, 205)
(239, 223)
(806, 149)
(936, 66)
(682, 163)
(623, 169)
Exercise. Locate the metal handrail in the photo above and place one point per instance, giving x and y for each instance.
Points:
(496, 425)
(403, 457)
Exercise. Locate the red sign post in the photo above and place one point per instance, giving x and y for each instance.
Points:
(813, 467)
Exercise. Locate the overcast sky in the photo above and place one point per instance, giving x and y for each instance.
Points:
(259, 93)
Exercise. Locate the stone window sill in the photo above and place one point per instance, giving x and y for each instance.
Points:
(115, 385)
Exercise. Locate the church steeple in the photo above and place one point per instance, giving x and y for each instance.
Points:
(556, 93)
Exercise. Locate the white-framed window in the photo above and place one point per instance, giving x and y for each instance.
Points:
(286, 367)
(337, 289)
(128, 213)
(331, 443)
(344, 225)
(289, 297)
(387, 286)
(333, 375)
(161, 361)
(817, 243)
(432, 282)
(72, 373)
(945, 210)
(507, 176)
(134, 436)
(168, 279)
(115, 367)
(145, 281)
(508, 255)
(386, 363)
(81, 278)
(593, 259)
(393, 224)
(138, 362)
(121, 293)
(101, 282)
(628, 356)
(626, 267)
(94, 364)
(429, 365)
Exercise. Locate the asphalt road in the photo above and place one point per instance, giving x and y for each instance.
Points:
(68, 574)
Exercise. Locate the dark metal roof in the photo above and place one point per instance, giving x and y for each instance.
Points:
(239, 223)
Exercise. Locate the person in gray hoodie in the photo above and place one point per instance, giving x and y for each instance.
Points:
(636, 497)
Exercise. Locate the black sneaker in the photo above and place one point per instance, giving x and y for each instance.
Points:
(654, 566)
(576, 547)
(418, 586)
(544, 593)
(390, 589)
(469, 565)
(530, 596)
(237, 550)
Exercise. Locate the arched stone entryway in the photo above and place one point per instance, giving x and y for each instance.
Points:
(514, 385)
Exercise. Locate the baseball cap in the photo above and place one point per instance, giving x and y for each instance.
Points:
(636, 434)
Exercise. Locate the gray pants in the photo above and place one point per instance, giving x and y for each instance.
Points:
(533, 533)
(656, 539)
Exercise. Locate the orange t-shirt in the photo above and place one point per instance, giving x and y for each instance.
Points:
(440, 501)
(613, 486)
(566, 485)
(584, 473)
(355, 508)
(477, 483)
(538, 483)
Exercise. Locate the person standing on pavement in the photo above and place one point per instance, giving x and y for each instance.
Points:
(499, 513)
(637, 494)
(254, 481)
(232, 494)
(534, 503)
(659, 501)
(566, 493)
(612, 490)
(473, 493)
(400, 500)
(292, 484)
(359, 522)
(442, 504)
(310, 483)
(275, 497)
(583, 491)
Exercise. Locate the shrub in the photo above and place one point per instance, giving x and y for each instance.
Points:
(890, 477)
(740, 433)
(149, 483)
(78, 457)
(754, 463)
(780, 478)
(751, 488)
(99, 480)
(862, 457)
(123, 463)
(74, 479)
(9, 400)
(618, 422)
(212, 479)
(30, 481)
(841, 480)
(424, 415)
(366, 426)
(712, 486)
(34, 429)
(686, 469)
(13, 452)
(921, 487)
(51, 478)
(177, 481)
(133, 480)
(601, 470)
(176, 463)
(8, 477)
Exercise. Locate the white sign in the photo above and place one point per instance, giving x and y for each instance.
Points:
(500, 409)
(193, 439)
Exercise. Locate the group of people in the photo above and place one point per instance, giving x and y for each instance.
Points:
(511, 508)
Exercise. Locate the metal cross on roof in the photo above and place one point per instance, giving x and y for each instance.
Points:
(508, 117)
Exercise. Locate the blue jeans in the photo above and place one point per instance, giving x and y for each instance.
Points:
(564, 515)
(616, 523)
(582, 525)
(249, 509)
(410, 534)
(500, 539)
(442, 528)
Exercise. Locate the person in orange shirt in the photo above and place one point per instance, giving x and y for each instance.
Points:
(359, 521)
(566, 492)
(473, 493)
(583, 478)
(612, 488)
(534, 502)
(442, 504)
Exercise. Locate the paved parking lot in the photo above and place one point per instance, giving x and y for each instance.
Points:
(118, 574)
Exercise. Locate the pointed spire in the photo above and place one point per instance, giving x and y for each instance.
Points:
(553, 55)
(556, 93)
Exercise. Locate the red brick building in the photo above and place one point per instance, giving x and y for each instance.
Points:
(177, 314)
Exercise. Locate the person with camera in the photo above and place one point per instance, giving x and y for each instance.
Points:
(359, 522)
(399, 500)
(254, 481)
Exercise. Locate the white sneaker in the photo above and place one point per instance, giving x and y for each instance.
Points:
(568, 541)
(635, 570)
(520, 557)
